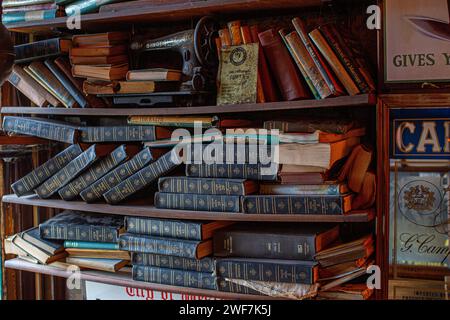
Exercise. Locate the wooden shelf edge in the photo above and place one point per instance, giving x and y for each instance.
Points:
(151, 211)
(346, 101)
(124, 280)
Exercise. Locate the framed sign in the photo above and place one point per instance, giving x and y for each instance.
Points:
(416, 41)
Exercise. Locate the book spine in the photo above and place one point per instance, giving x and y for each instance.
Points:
(76, 94)
(142, 179)
(324, 205)
(46, 92)
(46, 130)
(22, 16)
(91, 245)
(66, 174)
(86, 6)
(171, 121)
(201, 186)
(265, 271)
(228, 286)
(197, 202)
(76, 232)
(118, 134)
(175, 277)
(44, 6)
(28, 86)
(156, 260)
(37, 50)
(164, 228)
(306, 190)
(15, 3)
(119, 174)
(155, 245)
(33, 179)
(230, 243)
(235, 171)
(98, 170)
(345, 58)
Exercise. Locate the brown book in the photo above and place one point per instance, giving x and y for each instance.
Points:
(100, 87)
(100, 39)
(225, 37)
(347, 291)
(334, 62)
(367, 195)
(45, 90)
(98, 51)
(55, 87)
(97, 253)
(282, 66)
(28, 86)
(338, 126)
(103, 72)
(108, 265)
(234, 27)
(302, 178)
(356, 166)
(267, 81)
(120, 59)
(155, 74)
(147, 86)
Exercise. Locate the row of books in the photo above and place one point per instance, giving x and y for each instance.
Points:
(303, 63)
(14, 11)
(213, 255)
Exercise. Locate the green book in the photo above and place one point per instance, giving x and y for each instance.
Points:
(87, 6)
(91, 245)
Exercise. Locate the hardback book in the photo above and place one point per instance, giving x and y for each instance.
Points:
(16, 3)
(323, 155)
(356, 167)
(35, 15)
(166, 246)
(73, 90)
(83, 226)
(337, 126)
(340, 270)
(42, 128)
(98, 253)
(122, 133)
(234, 27)
(86, 6)
(189, 121)
(100, 39)
(197, 202)
(117, 175)
(225, 285)
(141, 87)
(307, 178)
(155, 74)
(296, 169)
(300, 242)
(345, 279)
(36, 252)
(36, 177)
(303, 59)
(33, 236)
(91, 245)
(233, 171)
(56, 88)
(331, 188)
(100, 87)
(100, 60)
(175, 277)
(206, 264)
(10, 248)
(178, 229)
(96, 51)
(108, 265)
(347, 291)
(41, 49)
(102, 72)
(228, 187)
(334, 62)
(225, 37)
(46, 90)
(96, 171)
(305, 204)
(67, 173)
(282, 67)
(142, 178)
(289, 271)
(28, 86)
(32, 7)
(366, 197)
(321, 65)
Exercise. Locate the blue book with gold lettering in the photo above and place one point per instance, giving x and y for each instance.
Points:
(234, 171)
(197, 202)
(206, 264)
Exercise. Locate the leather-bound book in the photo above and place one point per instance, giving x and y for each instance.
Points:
(234, 27)
(41, 49)
(225, 37)
(282, 67)
(28, 86)
(45, 90)
(100, 39)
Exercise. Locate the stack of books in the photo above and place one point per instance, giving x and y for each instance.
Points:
(90, 240)
(101, 59)
(145, 81)
(172, 252)
(14, 11)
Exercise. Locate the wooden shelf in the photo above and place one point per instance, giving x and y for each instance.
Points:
(124, 280)
(21, 140)
(151, 211)
(346, 101)
(149, 14)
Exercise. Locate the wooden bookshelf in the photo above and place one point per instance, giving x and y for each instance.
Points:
(150, 211)
(124, 280)
(165, 13)
(363, 100)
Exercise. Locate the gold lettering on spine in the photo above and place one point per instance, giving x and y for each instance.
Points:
(429, 136)
(399, 136)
